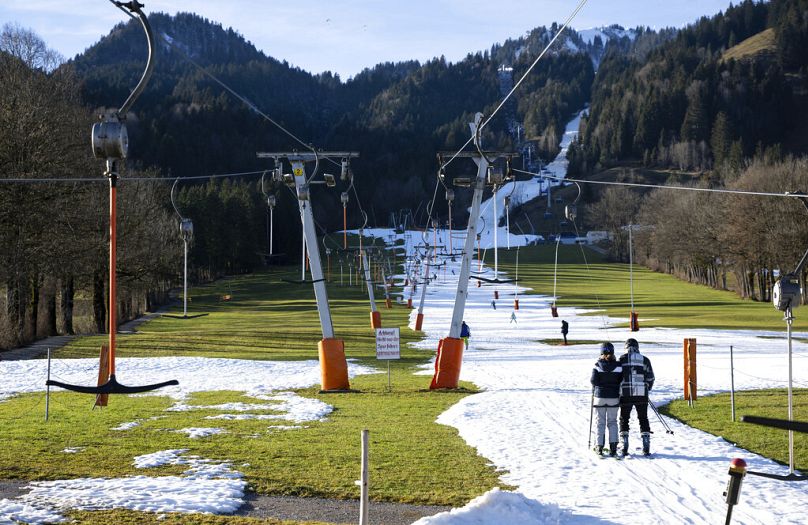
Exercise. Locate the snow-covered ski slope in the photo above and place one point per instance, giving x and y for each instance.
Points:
(521, 192)
(532, 420)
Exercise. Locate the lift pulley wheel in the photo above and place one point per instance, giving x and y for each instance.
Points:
(450, 194)
(303, 192)
(343, 175)
(186, 228)
(787, 292)
(495, 176)
(110, 139)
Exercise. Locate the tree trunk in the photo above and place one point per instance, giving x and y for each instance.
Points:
(99, 305)
(13, 313)
(49, 296)
(32, 313)
(66, 304)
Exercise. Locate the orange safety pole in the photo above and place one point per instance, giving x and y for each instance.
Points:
(113, 245)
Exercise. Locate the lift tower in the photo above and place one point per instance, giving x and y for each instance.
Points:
(450, 349)
(333, 366)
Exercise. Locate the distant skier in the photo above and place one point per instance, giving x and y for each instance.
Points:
(638, 379)
(493, 304)
(565, 329)
(605, 379)
(513, 317)
(465, 333)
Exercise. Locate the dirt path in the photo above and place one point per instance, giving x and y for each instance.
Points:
(299, 509)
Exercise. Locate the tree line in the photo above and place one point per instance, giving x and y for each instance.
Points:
(722, 240)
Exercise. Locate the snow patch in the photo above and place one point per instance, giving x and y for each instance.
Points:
(500, 507)
(197, 432)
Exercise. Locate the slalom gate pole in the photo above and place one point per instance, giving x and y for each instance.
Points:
(664, 423)
(591, 411)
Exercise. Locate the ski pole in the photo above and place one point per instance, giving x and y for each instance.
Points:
(591, 410)
(664, 423)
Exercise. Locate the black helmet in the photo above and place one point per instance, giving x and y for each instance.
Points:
(606, 348)
(632, 345)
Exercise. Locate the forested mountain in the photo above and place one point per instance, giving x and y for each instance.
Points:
(396, 115)
(722, 105)
(695, 102)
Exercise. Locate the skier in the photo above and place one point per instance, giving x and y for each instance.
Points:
(606, 377)
(465, 333)
(638, 379)
(565, 328)
(493, 304)
(513, 317)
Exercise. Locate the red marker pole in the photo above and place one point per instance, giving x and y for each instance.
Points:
(737, 471)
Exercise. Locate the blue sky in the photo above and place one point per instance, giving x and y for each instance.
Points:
(346, 36)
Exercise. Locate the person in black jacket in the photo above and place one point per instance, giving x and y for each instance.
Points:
(638, 379)
(606, 377)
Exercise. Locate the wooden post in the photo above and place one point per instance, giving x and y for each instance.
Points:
(690, 371)
(363, 483)
(101, 400)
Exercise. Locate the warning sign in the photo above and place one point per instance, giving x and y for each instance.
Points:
(387, 346)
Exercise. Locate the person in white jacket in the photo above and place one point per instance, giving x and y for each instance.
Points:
(638, 379)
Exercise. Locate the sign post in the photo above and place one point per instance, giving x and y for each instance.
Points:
(387, 347)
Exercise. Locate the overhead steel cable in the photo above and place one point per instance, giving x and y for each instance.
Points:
(567, 22)
(105, 180)
(661, 187)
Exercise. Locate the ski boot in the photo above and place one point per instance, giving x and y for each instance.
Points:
(646, 443)
(613, 449)
(624, 439)
(598, 450)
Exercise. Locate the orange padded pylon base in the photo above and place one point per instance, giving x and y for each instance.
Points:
(388, 303)
(333, 366)
(419, 322)
(496, 294)
(516, 304)
(409, 303)
(447, 363)
(375, 319)
(634, 322)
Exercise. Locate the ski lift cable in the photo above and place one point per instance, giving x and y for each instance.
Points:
(104, 180)
(569, 20)
(662, 187)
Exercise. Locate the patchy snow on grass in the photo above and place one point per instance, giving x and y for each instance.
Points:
(200, 432)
